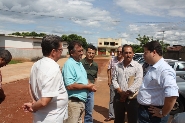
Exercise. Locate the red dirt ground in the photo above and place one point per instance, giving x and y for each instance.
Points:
(17, 94)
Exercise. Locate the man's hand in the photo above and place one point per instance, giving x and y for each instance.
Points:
(109, 82)
(128, 92)
(91, 87)
(123, 96)
(155, 111)
(27, 107)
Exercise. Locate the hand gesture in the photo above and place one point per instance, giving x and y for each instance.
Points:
(123, 96)
(91, 87)
(27, 107)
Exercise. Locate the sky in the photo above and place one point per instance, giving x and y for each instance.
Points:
(93, 19)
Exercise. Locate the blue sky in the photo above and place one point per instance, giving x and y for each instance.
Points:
(93, 19)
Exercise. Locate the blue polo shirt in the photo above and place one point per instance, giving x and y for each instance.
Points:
(74, 72)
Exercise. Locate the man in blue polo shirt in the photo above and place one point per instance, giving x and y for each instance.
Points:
(76, 82)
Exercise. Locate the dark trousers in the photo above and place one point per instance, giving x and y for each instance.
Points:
(144, 116)
(130, 106)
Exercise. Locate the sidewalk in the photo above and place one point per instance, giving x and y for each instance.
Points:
(15, 72)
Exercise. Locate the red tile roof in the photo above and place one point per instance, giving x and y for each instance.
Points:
(175, 48)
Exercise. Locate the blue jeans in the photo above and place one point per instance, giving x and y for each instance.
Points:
(89, 105)
(144, 116)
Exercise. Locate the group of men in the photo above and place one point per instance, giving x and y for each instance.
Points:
(156, 87)
(62, 97)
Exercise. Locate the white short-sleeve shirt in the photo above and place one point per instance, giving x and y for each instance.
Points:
(46, 81)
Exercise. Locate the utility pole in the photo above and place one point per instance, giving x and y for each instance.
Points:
(163, 36)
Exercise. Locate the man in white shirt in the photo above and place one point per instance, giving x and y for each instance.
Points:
(46, 85)
(123, 71)
(113, 62)
(159, 91)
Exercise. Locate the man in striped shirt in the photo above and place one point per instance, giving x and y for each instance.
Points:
(159, 90)
(123, 71)
(113, 62)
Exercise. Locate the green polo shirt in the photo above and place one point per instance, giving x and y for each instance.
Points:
(91, 70)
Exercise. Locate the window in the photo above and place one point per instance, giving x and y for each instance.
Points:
(100, 43)
(106, 43)
(116, 43)
(181, 67)
(65, 45)
(171, 64)
(112, 43)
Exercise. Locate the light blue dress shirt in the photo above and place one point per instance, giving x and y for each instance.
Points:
(158, 83)
(74, 72)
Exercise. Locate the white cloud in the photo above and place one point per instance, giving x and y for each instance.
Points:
(78, 11)
(154, 7)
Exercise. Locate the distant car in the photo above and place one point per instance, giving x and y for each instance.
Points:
(180, 102)
(178, 66)
(168, 60)
(141, 61)
(137, 55)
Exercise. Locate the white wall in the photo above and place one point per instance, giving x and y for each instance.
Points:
(16, 42)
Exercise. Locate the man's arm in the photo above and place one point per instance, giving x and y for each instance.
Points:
(31, 94)
(44, 101)
(76, 86)
(168, 105)
(109, 76)
(33, 107)
(138, 80)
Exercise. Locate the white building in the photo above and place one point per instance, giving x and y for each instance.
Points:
(107, 46)
(24, 47)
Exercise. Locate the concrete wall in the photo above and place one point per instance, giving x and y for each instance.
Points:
(25, 47)
(25, 53)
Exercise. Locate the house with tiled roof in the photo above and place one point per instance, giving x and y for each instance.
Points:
(175, 52)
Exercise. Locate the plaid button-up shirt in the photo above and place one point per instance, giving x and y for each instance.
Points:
(122, 74)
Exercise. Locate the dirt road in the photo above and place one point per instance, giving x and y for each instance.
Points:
(17, 94)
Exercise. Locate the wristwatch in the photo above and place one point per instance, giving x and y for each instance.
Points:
(161, 113)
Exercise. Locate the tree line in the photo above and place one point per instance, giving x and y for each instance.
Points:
(138, 48)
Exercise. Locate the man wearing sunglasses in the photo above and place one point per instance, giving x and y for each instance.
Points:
(113, 62)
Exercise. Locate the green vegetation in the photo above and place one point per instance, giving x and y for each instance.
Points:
(15, 61)
(34, 34)
(145, 39)
(73, 37)
(67, 38)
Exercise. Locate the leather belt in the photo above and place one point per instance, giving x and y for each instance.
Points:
(76, 99)
(148, 106)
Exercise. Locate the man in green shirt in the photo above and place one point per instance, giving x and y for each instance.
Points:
(91, 68)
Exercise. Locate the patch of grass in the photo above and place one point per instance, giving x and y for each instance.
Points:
(15, 62)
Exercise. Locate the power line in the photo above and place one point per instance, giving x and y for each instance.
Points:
(81, 19)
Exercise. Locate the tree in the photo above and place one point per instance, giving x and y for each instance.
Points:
(145, 39)
(34, 34)
(73, 37)
(137, 48)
